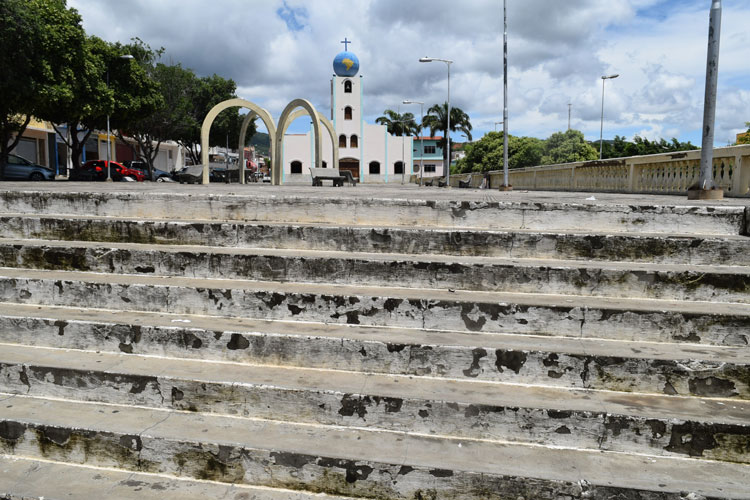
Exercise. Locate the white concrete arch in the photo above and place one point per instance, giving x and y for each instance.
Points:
(328, 126)
(240, 103)
(284, 121)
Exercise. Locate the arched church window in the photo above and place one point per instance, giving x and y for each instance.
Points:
(374, 168)
(348, 113)
(354, 142)
(342, 141)
(398, 167)
(348, 87)
(296, 167)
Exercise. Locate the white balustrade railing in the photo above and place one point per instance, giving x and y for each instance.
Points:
(668, 173)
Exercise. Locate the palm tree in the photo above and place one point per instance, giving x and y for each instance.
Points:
(437, 119)
(399, 124)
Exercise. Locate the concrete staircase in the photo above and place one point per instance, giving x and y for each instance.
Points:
(293, 345)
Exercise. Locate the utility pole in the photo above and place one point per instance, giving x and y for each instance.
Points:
(570, 105)
(706, 189)
(506, 186)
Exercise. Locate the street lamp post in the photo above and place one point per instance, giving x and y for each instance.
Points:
(601, 130)
(421, 141)
(109, 167)
(505, 186)
(448, 63)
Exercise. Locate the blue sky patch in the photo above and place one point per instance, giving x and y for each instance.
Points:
(294, 18)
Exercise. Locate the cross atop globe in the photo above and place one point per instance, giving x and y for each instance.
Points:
(346, 63)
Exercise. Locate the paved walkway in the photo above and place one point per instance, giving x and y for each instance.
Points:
(408, 191)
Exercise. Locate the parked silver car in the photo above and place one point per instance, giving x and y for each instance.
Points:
(21, 169)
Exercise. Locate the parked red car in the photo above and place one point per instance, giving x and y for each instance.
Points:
(96, 170)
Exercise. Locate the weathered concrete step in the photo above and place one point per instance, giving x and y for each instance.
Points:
(500, 312)
(658, 248)
(708, 371)
(335, 460)
(350, 209)
(603, 279)
(26, 478)
(719, 429)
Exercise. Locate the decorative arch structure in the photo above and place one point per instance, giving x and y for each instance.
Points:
(328, 126)
(290, 114)
(254, 110)
(275, 133)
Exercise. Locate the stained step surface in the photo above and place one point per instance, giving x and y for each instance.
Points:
(659, 281)
(499, 312)
(585, 419)
(644, 367)
(157, 441)
(25, 479)
(407, 208)
(696, 249)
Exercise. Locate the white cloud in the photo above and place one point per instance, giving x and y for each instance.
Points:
(277, 50)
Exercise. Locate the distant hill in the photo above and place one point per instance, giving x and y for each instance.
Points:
(262, 143)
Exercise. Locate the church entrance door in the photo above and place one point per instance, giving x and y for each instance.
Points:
(350, 164)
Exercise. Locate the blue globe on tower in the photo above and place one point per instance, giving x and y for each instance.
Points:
(346, 64)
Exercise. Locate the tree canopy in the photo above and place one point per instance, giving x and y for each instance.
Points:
(436, 119)
(567, 147)
(621, 148)
(487, 153)
(204, 94)
(399, 124)
(41, 43)
(745, 138)
(561, 147)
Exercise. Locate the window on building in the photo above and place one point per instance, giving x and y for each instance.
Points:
(92, 149)
(342, 141)
(348, 87)
(325, 165)
(374, 168)
(354, 142)
(398, 167)
(429, 168)
(348, 113)
(27, 148)
(296, 167)
(429, 150)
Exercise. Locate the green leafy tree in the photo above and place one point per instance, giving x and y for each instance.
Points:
(40, 43)
(744, 138)
(620, 147)
(399, 124)
(170, 115)
(487, 153)
(568, 147)
(436, 119)
(205, 93)
(93, 99)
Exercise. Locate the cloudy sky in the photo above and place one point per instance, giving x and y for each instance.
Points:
(278, 50)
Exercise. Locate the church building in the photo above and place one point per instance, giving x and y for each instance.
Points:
(368, 151)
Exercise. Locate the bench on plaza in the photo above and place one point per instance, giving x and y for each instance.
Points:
(331, 174)
(440, 182)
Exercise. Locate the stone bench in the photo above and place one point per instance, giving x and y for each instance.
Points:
(333, 174)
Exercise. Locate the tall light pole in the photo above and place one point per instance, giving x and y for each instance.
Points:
(706, 188)
(505, 186)
(109, 168)
(601, 130)
(447, 168)
(421, 141)
(570, 107)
